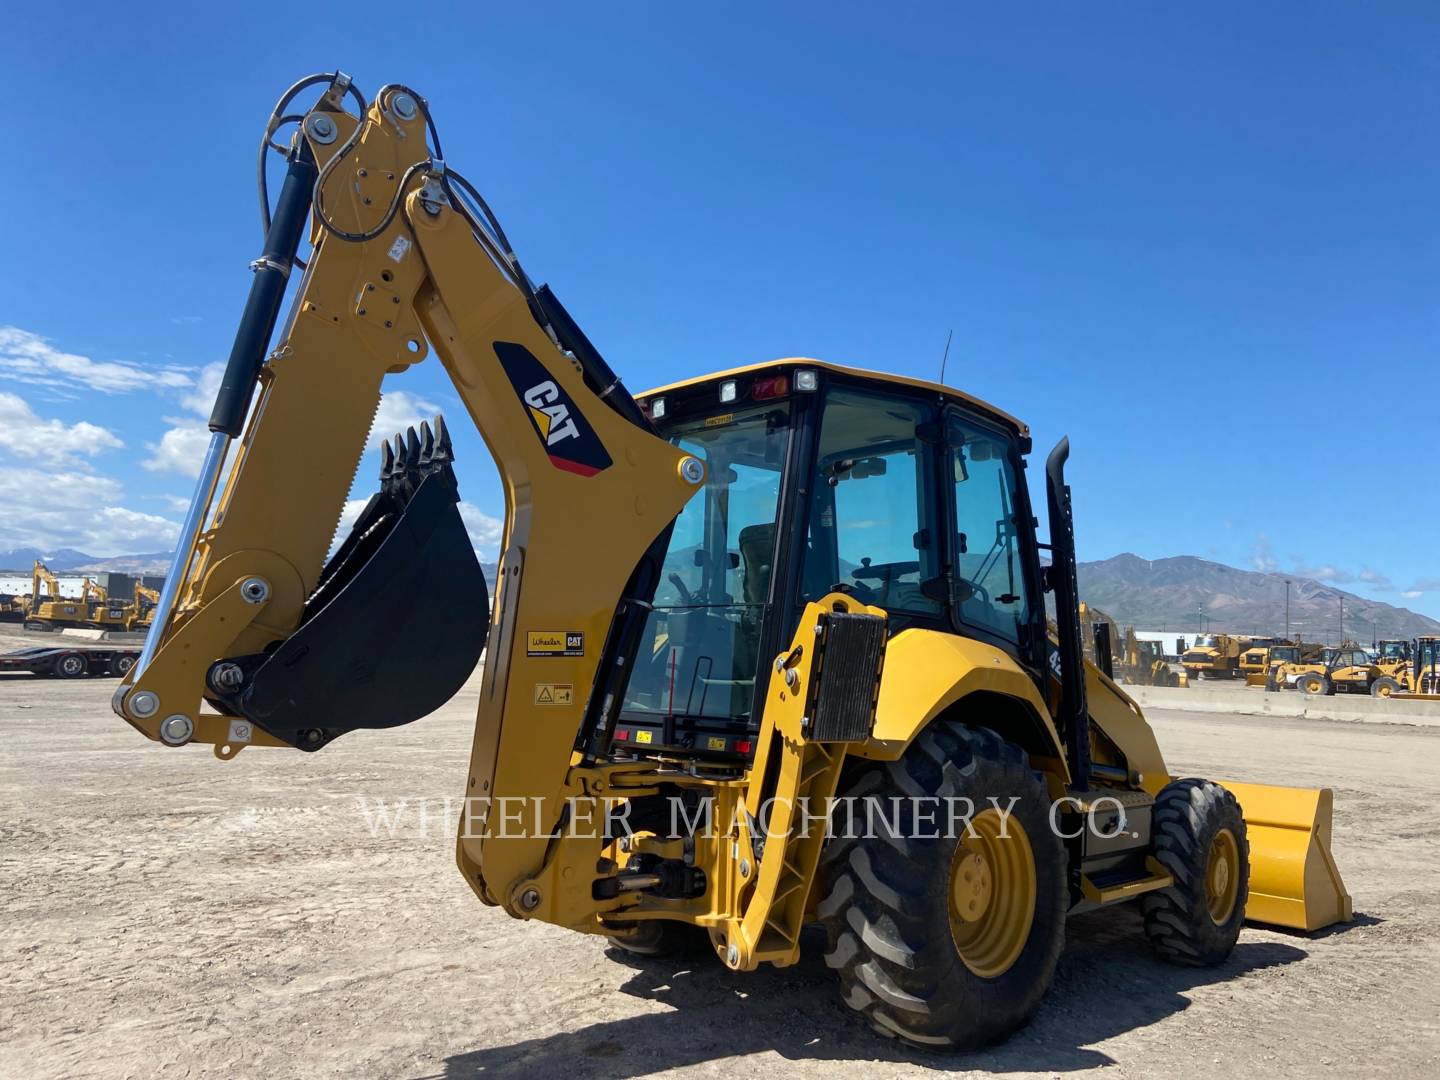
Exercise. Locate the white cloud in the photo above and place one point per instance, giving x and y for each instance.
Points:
(485, 531)
(398, 410)
(25, 435)
(49, 509)
(180, 450)
(1411, 594)
(200, 399)
(177, 503)
(1262, 558)
(1374, 579)
(30, 358)
(1326, 572)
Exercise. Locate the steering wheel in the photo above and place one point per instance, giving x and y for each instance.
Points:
(884, 573)
(686, 596)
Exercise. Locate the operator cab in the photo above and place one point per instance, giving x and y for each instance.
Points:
(906, 495)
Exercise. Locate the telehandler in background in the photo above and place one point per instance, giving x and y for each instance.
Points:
(739, 596)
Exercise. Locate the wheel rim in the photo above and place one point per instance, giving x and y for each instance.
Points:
(1222, 876)
(992, 894)
(70, 665)
(1384, 690)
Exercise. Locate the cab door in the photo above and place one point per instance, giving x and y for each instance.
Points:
(993, 562)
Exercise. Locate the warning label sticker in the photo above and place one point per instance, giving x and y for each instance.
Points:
(554, 643)
(644, 736)
(715, 743)
(550, 693)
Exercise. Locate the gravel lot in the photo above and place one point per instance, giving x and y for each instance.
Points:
(165, 913)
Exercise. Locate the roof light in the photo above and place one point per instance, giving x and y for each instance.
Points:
(728, 390)
(807, 380)
(657, 409)
(773, 387)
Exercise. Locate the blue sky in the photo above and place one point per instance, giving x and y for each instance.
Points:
(1199, 239)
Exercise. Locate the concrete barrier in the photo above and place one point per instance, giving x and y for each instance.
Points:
(1255, 701)
(81, 632)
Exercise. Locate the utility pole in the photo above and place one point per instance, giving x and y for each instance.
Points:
(1342, 621)
(1287, 609)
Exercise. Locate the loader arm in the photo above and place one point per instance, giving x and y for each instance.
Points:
(259, 639)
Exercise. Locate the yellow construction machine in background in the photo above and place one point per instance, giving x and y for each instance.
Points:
(48, 609)
(1214, 656)
(142, 607)
(734, 613)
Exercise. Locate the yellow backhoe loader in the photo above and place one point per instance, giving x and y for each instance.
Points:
(1416, 676)
(768, 647)
(1143, 663)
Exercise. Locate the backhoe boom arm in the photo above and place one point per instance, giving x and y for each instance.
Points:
(287, 647)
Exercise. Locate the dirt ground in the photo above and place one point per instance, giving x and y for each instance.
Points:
(163, 913)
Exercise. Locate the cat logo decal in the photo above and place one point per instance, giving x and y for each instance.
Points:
(567, 436)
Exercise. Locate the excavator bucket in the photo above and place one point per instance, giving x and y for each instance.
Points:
(399, 617)
(1293, 878)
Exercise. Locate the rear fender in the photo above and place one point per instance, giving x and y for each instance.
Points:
(929, 674)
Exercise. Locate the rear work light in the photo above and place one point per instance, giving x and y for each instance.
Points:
(773, 387)
(807, 380)
(728, 390)
(657, 409)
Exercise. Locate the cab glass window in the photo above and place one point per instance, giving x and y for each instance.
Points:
(870, 526)
(990, 588)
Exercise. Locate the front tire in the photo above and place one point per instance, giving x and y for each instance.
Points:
(1312, 685)
(1200, 838)
(1384, 686)
(946, 941)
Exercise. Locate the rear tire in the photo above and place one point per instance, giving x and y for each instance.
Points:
(1200, 838)
(70, 666)
(1312, 685)
(1384, 686)
(123, 665)
(891, 906)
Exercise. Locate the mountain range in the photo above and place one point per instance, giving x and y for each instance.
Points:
(1173, 594)
(70, 561)
(1149, 594)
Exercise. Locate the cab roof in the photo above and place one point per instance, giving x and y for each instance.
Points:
(940, 389)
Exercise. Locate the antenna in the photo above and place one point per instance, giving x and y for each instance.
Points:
(946, 355)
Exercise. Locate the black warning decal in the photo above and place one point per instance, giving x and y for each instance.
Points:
(568, 437)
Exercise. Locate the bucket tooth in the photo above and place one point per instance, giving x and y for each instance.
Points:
(427, 446)
(444, 451)
(387, 465)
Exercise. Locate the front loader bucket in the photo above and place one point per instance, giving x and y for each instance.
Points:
(1256, 678)
(1293, 878)
(399, 617)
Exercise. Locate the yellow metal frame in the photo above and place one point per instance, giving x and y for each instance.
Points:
(365, 309)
